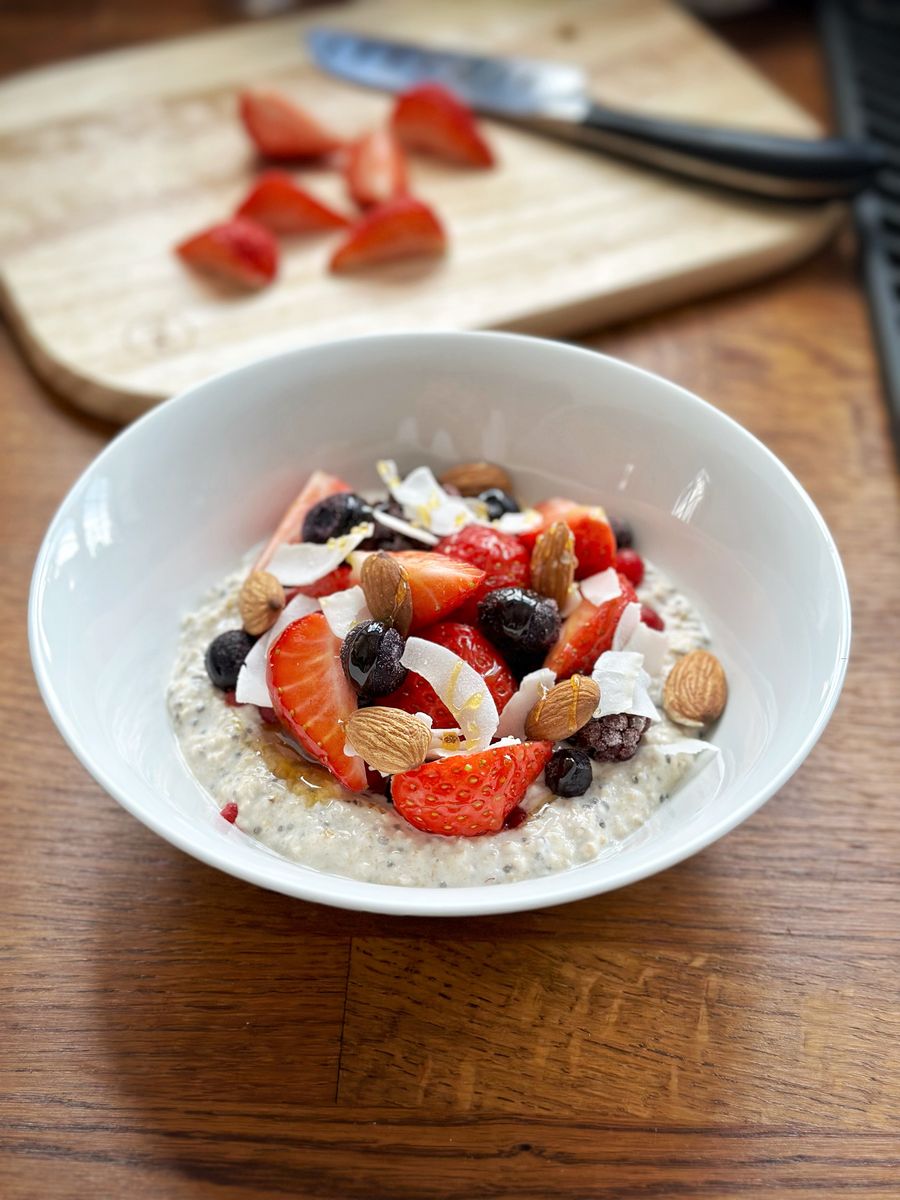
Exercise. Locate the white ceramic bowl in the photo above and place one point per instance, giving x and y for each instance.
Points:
(175, 501)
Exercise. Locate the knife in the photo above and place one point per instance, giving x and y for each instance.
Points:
(552, 99)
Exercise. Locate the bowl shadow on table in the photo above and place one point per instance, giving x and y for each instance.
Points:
(226, 999)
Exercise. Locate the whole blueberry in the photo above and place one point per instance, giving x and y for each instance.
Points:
(334, 516)
(225, 656)
(521, 623)
(623, 533)
(384, 538)
(371, 656)
(497, 502)
(568, 773)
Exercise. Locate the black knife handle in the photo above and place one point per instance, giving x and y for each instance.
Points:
(761, 164)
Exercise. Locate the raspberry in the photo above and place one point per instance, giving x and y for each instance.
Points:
(651, 617)
(630, 564)
(614, 738)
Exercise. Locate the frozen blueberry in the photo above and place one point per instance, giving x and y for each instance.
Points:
(371, 656)
(521, 623)
(389, 539)
(568, 773)
(225, 656)
(334, 516)
(497, 503)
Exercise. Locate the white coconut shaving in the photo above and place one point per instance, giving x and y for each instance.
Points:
(623, 684)
(692, 746)
(572, 601)
(300, 563)
(602, 587)
(533, 687)
(424, 501)
(628, 623)
(345, 609)
(653, 644)
(251, 687)
(398, 525)
(461, 688)
(519, 522)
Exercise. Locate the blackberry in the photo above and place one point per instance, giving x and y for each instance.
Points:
(225, 656)
(334, 516)
(521, 623)
(568, 773)
(612, 739)
(498, 502)
(370, 656)
(623, 533)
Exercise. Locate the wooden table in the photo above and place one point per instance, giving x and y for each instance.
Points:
(729, 1028)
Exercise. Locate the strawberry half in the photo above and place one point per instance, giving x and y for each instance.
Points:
(429, 117)
(279, 128)
(595, 542)
(312, 696)
(417, 695)
(439, 584)
(502, 557)
(467, 795)
(319, 485)
(375, 168)
(587, 633)
(401, 228)
(236, 251)
(278, 203)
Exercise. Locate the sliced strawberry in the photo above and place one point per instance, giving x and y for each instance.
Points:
(431, 118)
(279, 128)
(502, 557)
(278, 203)
(401, 228)
(319, 485)
(312, 696)
(237, 251)
(467, 795)
(417, 695)
(595, 542)
(375, 168)
(587, 633)
(337, 580)
(439, 584)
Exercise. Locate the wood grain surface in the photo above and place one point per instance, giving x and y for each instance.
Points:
(107, 162)
(730, 1028)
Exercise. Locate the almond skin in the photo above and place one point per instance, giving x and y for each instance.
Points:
(564, 710)
(260, 601)
(553, 563)
(388, 739)
(385, 585)
(471, 479)
(696, 690)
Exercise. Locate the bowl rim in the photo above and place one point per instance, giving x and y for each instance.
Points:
(484, 899)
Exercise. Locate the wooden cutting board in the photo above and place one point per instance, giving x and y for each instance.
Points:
(106, 162)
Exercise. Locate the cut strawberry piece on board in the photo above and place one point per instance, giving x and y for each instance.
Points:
(401, 228)
(439, 585)
(237, 251)
(470, 794)
(312, 696)
(417, 695)
(278, 203)
(588, 633)
(502, 557)
(595, 542)
(279, 128)
(319, 485)
(429, 117)
(375, 168)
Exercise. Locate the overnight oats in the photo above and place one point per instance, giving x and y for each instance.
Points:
(437, 687)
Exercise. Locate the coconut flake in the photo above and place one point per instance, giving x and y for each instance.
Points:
(623, 685)
(692, 746)
(400, 526)
(424, 501)
(533, 687)
(460, 687)
(628, 623)
(652, 643)
(251, 686)
(572, 601)
(519, 522)
(602, 587)
(641, 704)
(300, 563)
(345, 609)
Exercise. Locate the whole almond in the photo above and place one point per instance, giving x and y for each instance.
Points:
(564, 710)
(553, 562)
(388, 594)
(696, 690)
(260, 601)
(389, 739)
(471, 479)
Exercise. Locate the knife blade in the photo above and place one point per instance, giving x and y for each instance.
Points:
(552, 99)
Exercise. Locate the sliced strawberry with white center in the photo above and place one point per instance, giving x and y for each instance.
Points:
(312, 696)
(588, 633)
(401, 228)
(429, 117)
(278, 203)
(595, 542)
(439, 584)
(375, 169)
(319, 485)
(237, 251)
(279, 128)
